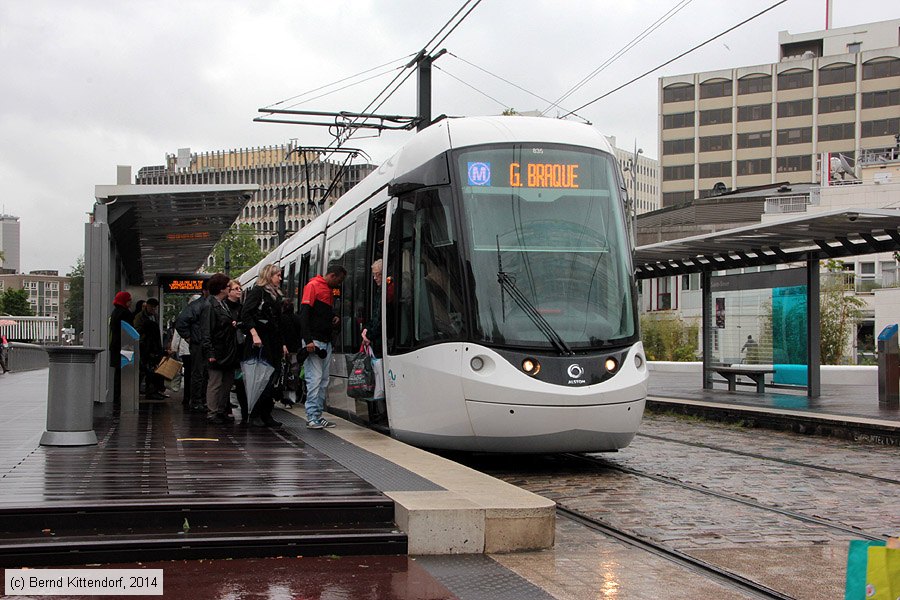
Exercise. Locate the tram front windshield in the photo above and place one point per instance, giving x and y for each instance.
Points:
(546, 233)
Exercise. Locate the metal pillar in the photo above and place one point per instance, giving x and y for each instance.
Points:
(813, 329)
(99, 271)
(423, 102)
(705, 286)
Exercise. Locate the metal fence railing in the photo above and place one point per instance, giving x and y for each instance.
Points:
(26, 357)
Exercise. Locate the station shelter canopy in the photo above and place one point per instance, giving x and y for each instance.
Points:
(818, 236)
(807, 239)
(168, 228)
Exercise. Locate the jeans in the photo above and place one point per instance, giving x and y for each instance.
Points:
(316, 371)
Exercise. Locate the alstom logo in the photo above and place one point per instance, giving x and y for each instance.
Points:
(575, 372)
(479, 173)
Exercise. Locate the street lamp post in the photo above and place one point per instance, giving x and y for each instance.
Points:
(632, 197)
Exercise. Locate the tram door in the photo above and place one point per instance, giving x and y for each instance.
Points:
(425, 324)
(377, 411)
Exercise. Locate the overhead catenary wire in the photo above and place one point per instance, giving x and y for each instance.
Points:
(519, 87)
(348, 78)
(621, 52)
(670, 61)
(424, 52)
(469, 85)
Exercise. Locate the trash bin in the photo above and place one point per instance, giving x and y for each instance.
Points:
(131, 368)
(70, 397)
(888, 368)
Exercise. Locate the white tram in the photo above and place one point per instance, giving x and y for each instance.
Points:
(509, 303)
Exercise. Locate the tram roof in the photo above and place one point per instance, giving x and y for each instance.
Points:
(169, 228)
(832, 234)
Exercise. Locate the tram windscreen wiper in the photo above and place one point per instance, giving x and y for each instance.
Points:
(508, 284)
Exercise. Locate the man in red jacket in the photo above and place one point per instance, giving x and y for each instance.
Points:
(317, 323)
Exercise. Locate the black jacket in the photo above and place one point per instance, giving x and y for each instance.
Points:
(373, 326)
(219, 336)
(151, 341)
(290, 330)
(261, 311)
(188, 322)
(119, 314)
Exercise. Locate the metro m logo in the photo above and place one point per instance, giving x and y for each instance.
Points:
(479, 173)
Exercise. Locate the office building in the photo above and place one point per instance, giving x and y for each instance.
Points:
(286, 175)
(10, 244)
(835, 91)
(642, 182)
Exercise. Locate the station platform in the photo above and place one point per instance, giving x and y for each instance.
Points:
(164, 483)
(844, 411)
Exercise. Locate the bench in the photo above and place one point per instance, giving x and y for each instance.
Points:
(757, 374)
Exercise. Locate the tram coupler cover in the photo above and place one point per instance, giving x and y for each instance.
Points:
(70, 402)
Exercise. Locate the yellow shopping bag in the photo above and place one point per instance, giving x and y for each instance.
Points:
(883, 573)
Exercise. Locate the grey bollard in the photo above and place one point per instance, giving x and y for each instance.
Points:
(70, 401)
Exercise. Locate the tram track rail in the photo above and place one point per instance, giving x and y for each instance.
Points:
(756, 455)
(709, 570)
(859, 533)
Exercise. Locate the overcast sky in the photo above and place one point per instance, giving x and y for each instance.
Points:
(88, 85)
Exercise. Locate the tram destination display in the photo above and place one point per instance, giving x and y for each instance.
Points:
(535, 168)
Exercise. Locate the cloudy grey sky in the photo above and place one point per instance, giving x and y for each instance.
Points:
(88, 85)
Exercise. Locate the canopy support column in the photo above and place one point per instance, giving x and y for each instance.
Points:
(813, 328)
(705, 284)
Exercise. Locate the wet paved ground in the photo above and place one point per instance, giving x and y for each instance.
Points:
(844, 484)
(848, 483)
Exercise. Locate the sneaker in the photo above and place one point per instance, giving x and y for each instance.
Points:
(326, 424)
(315, 424)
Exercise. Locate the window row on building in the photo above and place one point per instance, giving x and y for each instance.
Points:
(789, 80)
(785, 137)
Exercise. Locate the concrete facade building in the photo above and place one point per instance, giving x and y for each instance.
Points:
(280, 171)
(10, 244)
(833, 91)
(642, 182)
(47, 294)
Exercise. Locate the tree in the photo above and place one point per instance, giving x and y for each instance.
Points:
(245, 252)
(839, 312)
(75, 301)
(510, 112)
(15, 302)
(667, 338)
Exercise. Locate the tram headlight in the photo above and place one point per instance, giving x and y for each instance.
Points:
(638, 361)
(611, 365)
(531, 366)
(477, 363)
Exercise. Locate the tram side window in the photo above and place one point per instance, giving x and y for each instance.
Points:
(340, 252)
(426, 254)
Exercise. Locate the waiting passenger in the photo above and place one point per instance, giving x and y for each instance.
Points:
(188, 326)
(151, 349)
(260, 317)
(121, 312)
(233, 300)
(219, 339)
(317, 325)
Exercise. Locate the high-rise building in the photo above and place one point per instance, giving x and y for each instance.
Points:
(642, 179)
(10, 244)
(832, 91)
(286, 175)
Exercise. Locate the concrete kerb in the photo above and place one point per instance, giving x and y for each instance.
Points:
(475, 514)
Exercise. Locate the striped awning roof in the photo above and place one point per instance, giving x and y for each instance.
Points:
(832, 234)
